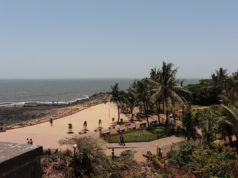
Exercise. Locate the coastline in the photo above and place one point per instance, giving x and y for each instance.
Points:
(13, 118)
(47, 135)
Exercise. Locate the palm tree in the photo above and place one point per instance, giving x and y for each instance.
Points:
(189, 123)
(116, 98)
(155, 76)
(218, 81)
(208, 123)
(166, 89)
(130, 100)
(219, 77)
(142, 95)
(235, 75)
(224, 127)
(229, 96)
(230, 116)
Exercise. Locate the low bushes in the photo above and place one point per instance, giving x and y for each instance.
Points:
(144, 135)
(204, 161)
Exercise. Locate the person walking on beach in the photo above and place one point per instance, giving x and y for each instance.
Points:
(27, 141)
(51, 122)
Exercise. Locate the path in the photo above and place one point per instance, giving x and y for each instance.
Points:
(142, 147)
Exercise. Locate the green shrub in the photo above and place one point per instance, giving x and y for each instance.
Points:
(90, 157)
(170, 130)
(185, 151)
(172, 154)
(212, 162)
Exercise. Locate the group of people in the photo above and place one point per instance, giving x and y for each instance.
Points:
(29, 141)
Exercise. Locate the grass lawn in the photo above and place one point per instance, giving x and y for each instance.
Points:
(141, 135)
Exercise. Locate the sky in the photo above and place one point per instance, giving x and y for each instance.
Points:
(116, 39)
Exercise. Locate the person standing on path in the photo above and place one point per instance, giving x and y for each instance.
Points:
(122, 142)
(160, 153)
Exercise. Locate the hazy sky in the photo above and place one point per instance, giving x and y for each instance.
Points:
(122, 39)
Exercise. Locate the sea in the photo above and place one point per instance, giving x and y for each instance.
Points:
(22, 92)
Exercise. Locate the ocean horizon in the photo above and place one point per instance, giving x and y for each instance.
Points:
(17, 92)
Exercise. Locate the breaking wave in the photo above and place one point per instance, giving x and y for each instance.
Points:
(41, 103)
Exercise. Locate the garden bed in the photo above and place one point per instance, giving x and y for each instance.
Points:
(142, 135)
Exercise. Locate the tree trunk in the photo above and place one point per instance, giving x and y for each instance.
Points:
(158, 111)
(230, 139)
(183, 112)
(159, 107)
(118, 109)
(230, 136)
(147, 118)
(174, 119)
(145, 108)
(167, 115)
(167, 119)
(163, 107)
(131, 113)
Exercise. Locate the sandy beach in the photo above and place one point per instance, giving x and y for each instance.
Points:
(48, 136)
(17, 117)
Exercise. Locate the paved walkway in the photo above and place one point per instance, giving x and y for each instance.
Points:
(142, 147)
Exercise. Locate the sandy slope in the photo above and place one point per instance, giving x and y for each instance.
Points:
(48, 136)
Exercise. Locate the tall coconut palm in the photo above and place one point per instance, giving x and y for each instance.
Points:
(219, 78)
(155, 76)
(142, 95)
(166, 88)
(131, 101)
(123, 101)
(218, 81)
(116, 98)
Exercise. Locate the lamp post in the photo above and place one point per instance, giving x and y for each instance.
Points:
(75, 146)
(113, 154)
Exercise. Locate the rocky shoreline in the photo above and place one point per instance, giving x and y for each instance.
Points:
(12, 118)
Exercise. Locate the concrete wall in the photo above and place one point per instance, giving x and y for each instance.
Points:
(20, 161)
